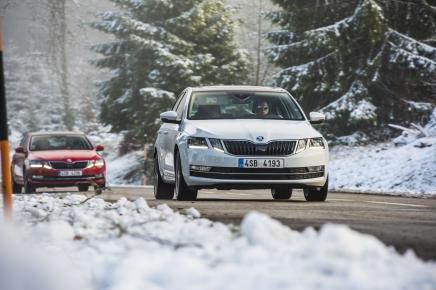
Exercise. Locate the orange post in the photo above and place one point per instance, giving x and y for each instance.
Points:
(4, 143)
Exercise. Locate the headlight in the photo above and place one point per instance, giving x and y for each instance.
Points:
(99, 162)
(301, 145)
(95, 163)
(197, 143)
(216, 144)
(316, 143)
(39, 164)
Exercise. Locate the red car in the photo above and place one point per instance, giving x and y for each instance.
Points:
(57, 159)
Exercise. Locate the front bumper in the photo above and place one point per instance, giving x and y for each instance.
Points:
(225, 171)
(43, 177)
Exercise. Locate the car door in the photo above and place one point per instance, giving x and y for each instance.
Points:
(18, 160)
(173, 133)
(167, 133)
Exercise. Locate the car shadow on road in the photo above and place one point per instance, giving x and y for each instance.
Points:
(247, 200)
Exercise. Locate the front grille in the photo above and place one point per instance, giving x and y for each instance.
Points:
(238, 170)
(248, 148)
(68, 178)
(292, 173)
(68, 165)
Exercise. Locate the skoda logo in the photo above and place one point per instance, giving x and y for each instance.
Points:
(69, 161)
(259, 138)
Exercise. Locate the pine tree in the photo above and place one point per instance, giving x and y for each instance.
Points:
(160, 48)
(354, 61)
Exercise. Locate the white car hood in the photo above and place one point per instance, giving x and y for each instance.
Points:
(250, 129)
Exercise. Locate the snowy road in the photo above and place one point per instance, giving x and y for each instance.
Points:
(398, 221)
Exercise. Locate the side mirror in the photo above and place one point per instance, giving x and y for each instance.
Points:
(99, 148)
(316, 118)
(169, 117)
(19, 149)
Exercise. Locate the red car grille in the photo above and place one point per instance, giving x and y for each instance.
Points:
(68, 165)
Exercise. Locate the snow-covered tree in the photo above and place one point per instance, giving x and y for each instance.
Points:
(32, 99)
(357, 61)
(159, 48)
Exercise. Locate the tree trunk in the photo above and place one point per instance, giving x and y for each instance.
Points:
(259, 42)
(58, 39)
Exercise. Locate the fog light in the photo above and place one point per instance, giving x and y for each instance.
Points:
(315, 168)
(37, 177)
(100, 175)
(200, 168)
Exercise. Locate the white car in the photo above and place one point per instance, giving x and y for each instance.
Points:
(239, 137)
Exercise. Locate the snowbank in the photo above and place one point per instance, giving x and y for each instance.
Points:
(126, 170)
(408, 170)
(129, 246)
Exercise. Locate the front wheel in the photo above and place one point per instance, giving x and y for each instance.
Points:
(317, 193)
(162, 190)
(281, 192)
(83, 188)
(16, 188)
(182, 190)
(28, 187)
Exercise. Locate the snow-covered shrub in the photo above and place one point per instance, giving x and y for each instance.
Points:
(357, 138)
(422, 136)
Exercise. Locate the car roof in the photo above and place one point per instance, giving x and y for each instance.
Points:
(237, 88)
(55, 133)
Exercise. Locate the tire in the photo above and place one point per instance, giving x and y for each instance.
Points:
(162, 190)
(317, 193)
(28, 187)
(16, 188)
(182, 190)
(281, 192)
(97, 187)
(83, 188)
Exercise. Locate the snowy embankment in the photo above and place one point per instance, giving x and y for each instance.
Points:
(408, 170)
(405, 166)
(128, 245)
(126, 170)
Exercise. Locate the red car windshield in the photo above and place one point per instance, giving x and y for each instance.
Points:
(59, 142)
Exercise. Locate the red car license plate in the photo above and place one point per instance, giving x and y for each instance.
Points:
(70, 173)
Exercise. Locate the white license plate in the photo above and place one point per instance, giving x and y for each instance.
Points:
(70, 173)
(260, 163)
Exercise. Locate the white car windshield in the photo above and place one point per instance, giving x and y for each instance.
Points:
(243, 105)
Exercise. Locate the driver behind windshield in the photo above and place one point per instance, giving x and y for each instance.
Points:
(262, 109)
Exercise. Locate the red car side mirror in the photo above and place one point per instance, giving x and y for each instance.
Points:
(99, 148)
(19, 149)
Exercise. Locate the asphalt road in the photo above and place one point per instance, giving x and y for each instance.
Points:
(398, 221)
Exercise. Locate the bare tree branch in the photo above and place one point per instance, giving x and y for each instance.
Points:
(431, 9)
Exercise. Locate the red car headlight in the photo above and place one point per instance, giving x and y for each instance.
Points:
(39, 164)
(95, 163)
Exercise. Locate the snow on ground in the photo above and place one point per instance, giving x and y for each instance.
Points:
(385, 168)
(129, 246)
